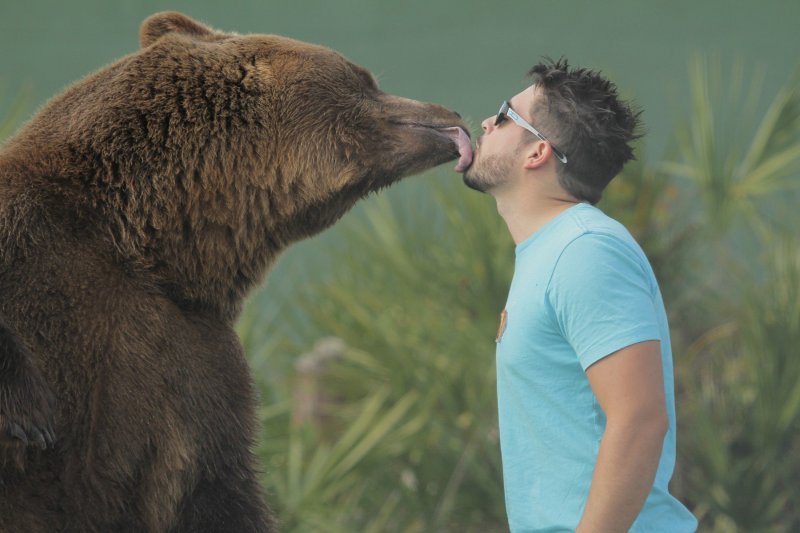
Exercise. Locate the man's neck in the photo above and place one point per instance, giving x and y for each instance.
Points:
(525, 214)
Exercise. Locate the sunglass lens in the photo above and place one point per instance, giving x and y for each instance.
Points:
(501, 115)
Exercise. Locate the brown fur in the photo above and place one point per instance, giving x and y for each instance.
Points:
(136, 211)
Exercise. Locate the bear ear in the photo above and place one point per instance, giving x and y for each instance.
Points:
(160, 24)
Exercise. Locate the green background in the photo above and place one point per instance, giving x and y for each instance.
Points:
(466, 55)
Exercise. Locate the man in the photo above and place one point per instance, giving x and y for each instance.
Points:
(584, 366)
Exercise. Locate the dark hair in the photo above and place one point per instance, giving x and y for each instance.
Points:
(581, 112)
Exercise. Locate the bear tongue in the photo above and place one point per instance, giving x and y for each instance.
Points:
(461, 139)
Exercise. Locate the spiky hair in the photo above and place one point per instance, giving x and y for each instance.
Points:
(583, 115)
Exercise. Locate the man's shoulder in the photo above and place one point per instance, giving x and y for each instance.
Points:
(577, 221)
(591, 220)
(584, 234)
(595, 231)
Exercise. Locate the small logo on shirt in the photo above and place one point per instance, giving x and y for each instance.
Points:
(502, 327)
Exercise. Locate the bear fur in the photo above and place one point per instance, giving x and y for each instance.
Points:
(137, 209)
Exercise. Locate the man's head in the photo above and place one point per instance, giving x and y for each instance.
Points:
(577, 116)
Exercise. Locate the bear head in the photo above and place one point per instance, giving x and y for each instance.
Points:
(201, 156)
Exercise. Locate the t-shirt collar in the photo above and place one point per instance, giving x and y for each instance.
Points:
(553, 222)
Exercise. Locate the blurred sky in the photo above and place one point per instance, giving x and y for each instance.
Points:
(464, 54)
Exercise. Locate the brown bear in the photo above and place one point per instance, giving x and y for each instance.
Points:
(136, 211)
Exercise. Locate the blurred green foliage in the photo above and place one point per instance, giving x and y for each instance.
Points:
(379, 395)
(395, 429)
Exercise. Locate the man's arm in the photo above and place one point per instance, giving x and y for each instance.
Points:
(629, 386)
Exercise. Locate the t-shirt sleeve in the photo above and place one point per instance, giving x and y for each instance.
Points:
(602, 297)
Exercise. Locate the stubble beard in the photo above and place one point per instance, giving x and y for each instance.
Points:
(486, 174)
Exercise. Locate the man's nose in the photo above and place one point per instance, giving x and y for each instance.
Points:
(487, 124)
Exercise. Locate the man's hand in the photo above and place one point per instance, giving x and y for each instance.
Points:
(629, 386)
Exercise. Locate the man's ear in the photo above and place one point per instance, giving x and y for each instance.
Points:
(537, 154)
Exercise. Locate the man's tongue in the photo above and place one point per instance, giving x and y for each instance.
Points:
(461, 139)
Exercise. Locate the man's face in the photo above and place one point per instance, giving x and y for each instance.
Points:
(498, 150)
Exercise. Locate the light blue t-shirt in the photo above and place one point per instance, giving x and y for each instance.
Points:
(582, 289)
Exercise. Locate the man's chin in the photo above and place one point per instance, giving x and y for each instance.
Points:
(473, 183)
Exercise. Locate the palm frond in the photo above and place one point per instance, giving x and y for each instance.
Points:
(733, 158)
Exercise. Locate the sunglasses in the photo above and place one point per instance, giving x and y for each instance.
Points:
(506, 111)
